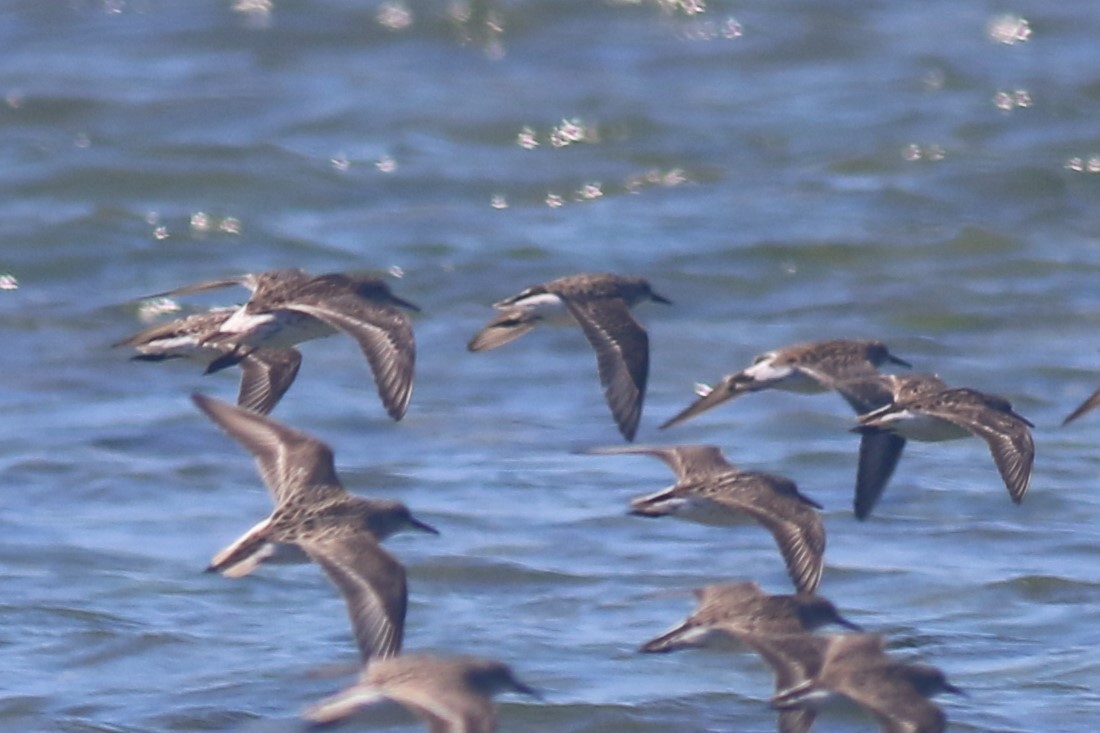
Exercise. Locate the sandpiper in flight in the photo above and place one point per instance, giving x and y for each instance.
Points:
(932, 413)
(337, 530)
(452, 695)
(600, 305)
(727, 612)
(807, 368)
(266, 374)
(880, 450)
(737, 615)
(710, 490)
(855, 666)
(290, 306)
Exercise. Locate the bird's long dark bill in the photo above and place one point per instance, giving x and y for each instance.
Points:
(662, 644)
(848, 624)
(424, 526)
(526, 689)
(405, 304)
(948, 687)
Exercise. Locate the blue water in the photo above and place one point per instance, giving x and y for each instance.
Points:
(782, 171)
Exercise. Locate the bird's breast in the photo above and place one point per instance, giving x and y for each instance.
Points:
(546, 307)
(277, 330)
(922, 426)
(784, 377)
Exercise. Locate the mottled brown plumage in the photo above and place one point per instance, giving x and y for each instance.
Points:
(266, 374)
(291, 306)
(880, 450)
(728, 612)
(807, 368)
(810, 668)
(710, 490)
(600, 304)
(933, 412)
(313, 511)
(451, 695)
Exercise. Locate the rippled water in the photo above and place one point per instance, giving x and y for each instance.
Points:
(917, 172)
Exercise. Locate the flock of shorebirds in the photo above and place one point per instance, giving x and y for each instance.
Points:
(316, 519)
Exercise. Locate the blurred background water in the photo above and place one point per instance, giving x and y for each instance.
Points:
(924, 173)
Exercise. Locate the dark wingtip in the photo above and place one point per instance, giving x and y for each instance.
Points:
(653, 646)
(682, 416)
(225, 361)
(861, 506)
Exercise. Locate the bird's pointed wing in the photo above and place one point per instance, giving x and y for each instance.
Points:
(879, 453)
(796, 527)
(505, 327)
(1013, 451)
(342, 704)
(188, 328)
(248, 281)
(1086, 406)
(1008, 438)
(290, 462)
(686, 461)
(373, 585)
(266, 375)
(729, 388)
(622, 356)
(384, 335)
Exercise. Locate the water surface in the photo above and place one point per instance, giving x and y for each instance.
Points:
(919, 173)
